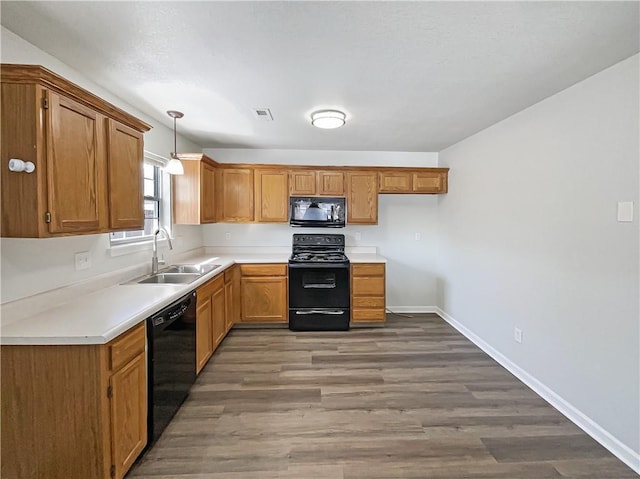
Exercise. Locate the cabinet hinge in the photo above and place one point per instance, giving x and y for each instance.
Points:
(112, 471)
(47, 217)
(45, 103)
(109, 391)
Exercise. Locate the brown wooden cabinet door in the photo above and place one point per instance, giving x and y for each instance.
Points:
(429, 182)
(204, 332)
(124, 158)
(229, 307)
(75, 167)
(362, 197)
(236, 294)
(331, 183)
(264, 299)
(302, 183)
(128, 414)
(271, 196)
(219, 319)
(395, 182)
(237, 195)
(207, 193)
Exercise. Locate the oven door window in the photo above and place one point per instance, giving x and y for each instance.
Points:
(319, 280)
(318, 287)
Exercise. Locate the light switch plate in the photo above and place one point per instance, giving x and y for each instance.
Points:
(625, 211)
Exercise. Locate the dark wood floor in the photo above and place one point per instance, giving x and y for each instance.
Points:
(412, 400)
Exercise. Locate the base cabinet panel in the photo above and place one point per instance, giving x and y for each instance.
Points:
(210, 319)
(204, 334)
(69, 412)
(128, 414)
(264, 293)
(368, 292)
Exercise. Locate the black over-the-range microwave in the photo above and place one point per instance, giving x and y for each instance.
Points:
(323, 212)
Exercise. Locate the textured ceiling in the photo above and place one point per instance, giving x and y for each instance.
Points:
(411, 76)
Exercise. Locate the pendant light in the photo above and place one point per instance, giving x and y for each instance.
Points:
(174, 167)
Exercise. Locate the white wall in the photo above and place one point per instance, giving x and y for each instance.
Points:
(411, 263)
(529, 238)
(30, 266)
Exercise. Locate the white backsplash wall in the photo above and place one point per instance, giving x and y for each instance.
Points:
(30, 266)
(529, 239)
(410, 263)
(34, 265)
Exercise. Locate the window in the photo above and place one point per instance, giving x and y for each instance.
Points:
(152, 209)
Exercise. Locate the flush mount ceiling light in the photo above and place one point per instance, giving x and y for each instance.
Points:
(328, 119)
(174, 167)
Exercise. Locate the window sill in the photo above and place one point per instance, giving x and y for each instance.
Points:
(131, 248)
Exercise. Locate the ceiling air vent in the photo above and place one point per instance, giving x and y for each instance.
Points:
(263, 114)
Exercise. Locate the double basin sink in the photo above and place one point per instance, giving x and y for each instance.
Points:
(177, 274)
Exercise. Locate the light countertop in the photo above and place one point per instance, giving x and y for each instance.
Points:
(98, 317)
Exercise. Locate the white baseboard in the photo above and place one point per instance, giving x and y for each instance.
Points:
(412, 309)
(588, 425)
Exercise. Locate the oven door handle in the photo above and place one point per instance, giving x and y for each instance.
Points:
(319, 286)
(332, 312)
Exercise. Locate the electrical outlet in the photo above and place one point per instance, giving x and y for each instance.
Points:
(83, 260)
(358, 236)
(418, 236)
(517, 335)
(227, 236)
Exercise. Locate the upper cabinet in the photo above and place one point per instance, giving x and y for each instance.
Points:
(330, 183)
(429, 181)
(272, 196)
(302, 183)
(87, 154)
(125, 153)
(194, 192)
(316, 183)
(235, 195)
(362, 197)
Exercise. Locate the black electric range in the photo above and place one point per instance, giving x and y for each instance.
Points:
(319, 287)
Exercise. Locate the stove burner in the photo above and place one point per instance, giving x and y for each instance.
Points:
(311, 257)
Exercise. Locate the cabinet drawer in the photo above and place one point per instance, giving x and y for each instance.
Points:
(370, 269)
(204, 292)
(263, 269)
(373, 302)
(126, 346)
(368, 286)
(367, 315)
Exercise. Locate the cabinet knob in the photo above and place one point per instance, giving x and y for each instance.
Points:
(19, 165)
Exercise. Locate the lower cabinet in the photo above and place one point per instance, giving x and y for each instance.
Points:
(74, 411)
(231, 297)
(264, 293)
(210, 319)
(367, 292)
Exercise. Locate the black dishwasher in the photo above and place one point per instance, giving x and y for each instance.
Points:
(171, 341)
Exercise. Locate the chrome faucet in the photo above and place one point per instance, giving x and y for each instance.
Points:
(154, 257)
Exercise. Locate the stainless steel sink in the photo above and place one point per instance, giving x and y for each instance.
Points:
(170, 278)
(177, 274)
(191, 268)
